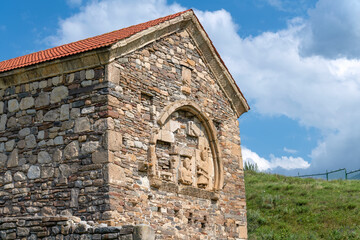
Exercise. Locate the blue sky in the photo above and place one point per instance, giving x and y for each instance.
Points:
(297, 63)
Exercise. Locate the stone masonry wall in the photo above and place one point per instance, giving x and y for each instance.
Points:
(49, 130)
(145, 82)
(64, 228)
(78, 145)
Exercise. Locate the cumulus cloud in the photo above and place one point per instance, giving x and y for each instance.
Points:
(288, 72)
(287, 163)
(314, 90)
(333, 30)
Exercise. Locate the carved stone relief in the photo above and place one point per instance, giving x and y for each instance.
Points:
(180, 152)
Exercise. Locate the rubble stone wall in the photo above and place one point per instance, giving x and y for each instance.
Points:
(149, 187)
(92, 144)
(49, 130)
(62, 228)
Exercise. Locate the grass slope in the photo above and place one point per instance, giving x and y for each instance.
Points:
(280, 207)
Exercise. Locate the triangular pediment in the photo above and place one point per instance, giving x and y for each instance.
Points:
(189, 22)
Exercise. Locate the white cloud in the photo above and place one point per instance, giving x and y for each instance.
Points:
(292, 151)
(98, 17)
(317, 91)
(333, 29)
(271, 69)
(74, 3)
(287, 163)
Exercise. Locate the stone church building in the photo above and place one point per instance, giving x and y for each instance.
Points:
(132, 134)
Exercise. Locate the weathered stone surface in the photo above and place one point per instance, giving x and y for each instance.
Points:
(102, 156)
(13, 160)
(23, 231)
(3, 121)
(25, 120)
(1, 107)
(72, 150)
(56, 80)
(113, 140)
(51, 116)
(30, 141)
(88, 110)
(74, 113)
(24, 132)
(42, 100)
(89, 147)
(3, 160)
(13, 105)
(8, 177)
(9, 145)
(44, 157)
(127, 100)
(90, 74)
(82, 125)
(33, 172)
(26, 103)
(57, 156)
(65, 170)
(47, 172)
(19, 176)
(58, 140)
(116, 174)
(143, 232)
(64, 112)
(74, 197)
(58, 93)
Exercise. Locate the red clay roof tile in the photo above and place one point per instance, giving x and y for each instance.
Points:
(81, 46)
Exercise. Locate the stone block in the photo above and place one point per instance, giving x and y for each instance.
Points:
(116, 174)
(166, 136)
(186, 90)
(52, 116)
(102, 156)
(82, 125)
(72, 150)
(3, 160)
(186, 75)
(44, 157)
(30, 141)
(13, 160)
(143, 232)
(89, 74)
(3, 121)
(33, 172)
(113, 140)
(47, 172)
(13, 105)
(58, 93)
(42, 100)
(74, 202)
(26, 103)
(19, 176)
(64, 112)
(89, 147)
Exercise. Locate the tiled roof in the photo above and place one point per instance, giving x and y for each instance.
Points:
(81, 46)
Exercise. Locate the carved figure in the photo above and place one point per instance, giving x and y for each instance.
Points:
(203, 169)
(185, 176)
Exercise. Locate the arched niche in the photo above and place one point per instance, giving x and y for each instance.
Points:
(184, 148)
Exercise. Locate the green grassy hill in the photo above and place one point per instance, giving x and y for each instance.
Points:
(280, 207)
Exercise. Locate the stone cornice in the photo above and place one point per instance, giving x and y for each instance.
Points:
(56, 67)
